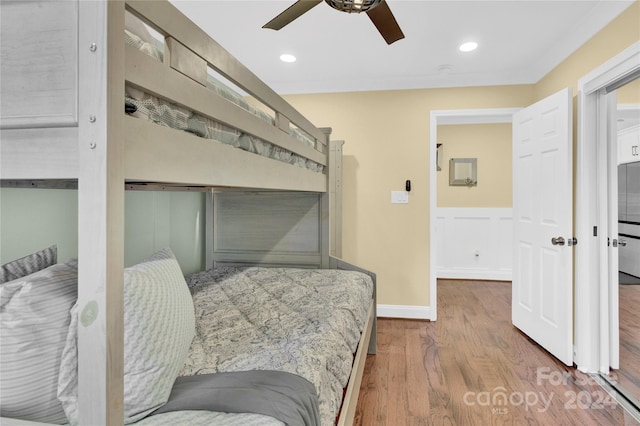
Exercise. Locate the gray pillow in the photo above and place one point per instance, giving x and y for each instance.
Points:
(29, 264)
(34, 319)
(159, 325)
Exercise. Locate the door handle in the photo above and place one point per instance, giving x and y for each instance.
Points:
(622, 243)
(559, 241)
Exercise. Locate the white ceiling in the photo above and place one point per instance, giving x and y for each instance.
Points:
(519, 41)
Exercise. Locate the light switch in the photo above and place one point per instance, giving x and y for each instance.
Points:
(399, 197)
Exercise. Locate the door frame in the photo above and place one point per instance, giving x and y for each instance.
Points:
(451, 117)
(592, 304)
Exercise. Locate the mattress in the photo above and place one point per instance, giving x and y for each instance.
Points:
(167, 114)
(305, 322)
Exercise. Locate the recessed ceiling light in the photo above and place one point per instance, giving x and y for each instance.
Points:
(286, 57)
(468, 46)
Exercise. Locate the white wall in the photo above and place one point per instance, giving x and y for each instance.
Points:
(154, 220)
(31, 219)
(474, 243)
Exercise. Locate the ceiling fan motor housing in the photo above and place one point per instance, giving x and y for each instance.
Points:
(353, 6)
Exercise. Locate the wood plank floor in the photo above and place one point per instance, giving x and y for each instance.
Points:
(472, 367)
(628, 376)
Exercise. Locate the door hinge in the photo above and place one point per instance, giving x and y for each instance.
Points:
(595, 231)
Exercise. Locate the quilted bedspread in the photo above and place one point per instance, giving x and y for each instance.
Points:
(306, 322)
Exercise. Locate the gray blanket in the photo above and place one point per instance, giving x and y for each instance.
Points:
(284, 396)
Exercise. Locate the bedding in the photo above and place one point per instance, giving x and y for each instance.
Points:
(305, 322)
(34, 319)
(198, 417)
(284, 396)
(252, 326)
(174, 116)
(159, 325)
(29, 264)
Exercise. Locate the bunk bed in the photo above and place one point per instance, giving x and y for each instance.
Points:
(85, 101)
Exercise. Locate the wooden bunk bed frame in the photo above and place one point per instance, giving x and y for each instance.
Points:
(76, 131)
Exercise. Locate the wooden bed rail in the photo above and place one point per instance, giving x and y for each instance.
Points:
(336, 263)
(156, 78)
(168, 21)
(367, 345)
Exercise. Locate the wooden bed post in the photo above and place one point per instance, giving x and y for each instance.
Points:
(335, 197)
(209, 230)
(100, 213)
(326, 213)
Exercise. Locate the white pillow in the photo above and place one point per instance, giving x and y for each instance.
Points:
(159, 325)
(29, 264)
(34, 319)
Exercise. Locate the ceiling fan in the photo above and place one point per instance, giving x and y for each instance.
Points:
(377, 10)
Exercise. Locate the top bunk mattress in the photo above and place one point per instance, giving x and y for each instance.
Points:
(301, 321)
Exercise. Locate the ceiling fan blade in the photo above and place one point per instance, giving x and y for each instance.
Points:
(293, 12)
(385, 22)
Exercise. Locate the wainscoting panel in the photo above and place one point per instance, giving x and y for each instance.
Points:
(474, 243)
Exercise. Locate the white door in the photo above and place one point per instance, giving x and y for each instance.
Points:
(543, 224)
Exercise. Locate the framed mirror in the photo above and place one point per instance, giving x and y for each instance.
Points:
(463, 172)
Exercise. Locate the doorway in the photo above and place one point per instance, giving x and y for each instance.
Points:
(450, 117)
(474, 202)
(624, 277)
(596, 301)
(542, 136)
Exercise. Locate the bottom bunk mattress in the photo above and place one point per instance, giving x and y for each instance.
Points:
(305, 322)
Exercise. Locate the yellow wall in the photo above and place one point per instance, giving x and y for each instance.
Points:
(629, 93)
(491, 145)
(621, 33)
(387, 140)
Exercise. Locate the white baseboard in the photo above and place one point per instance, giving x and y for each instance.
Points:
(404, 311)
(475, 274)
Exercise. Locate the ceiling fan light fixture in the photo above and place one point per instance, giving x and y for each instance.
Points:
(353, 6)
(377, 10)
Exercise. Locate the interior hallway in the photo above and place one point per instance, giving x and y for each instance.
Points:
(472, 367)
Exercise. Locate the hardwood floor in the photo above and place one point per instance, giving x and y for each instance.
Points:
(472, 367)
(628, 376)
